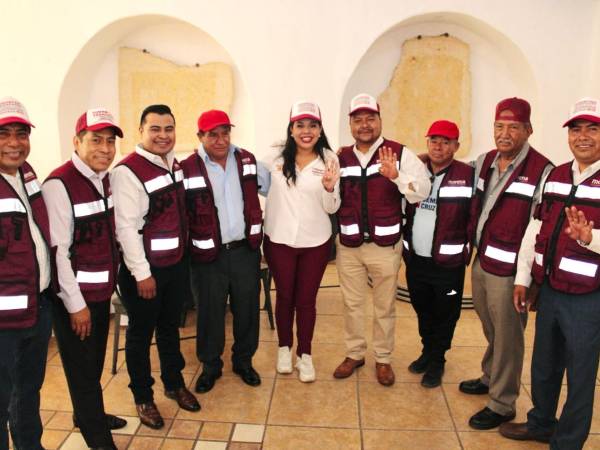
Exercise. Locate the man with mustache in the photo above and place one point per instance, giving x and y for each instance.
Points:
(561, 249)
(508, 184)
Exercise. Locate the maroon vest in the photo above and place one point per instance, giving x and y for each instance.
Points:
(569, 267)
(205, 232)
(451, 239)
(506, 224)
(94, 253)
(165, 230)
(19, 269)
(371, 203)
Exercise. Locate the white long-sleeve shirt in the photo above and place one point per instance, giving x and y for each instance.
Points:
(131, 204)
(527, 250)
(60, 213)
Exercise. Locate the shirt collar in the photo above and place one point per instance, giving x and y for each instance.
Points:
(588, 172)
(373, 147)
(156, 159)
(86, 170)
(518, 159)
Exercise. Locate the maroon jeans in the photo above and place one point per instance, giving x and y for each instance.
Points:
(297, 273)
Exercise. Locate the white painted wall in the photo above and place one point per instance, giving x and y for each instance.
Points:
(59, 57)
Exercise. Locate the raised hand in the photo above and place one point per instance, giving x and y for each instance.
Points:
(331, 175)
(388, 160)
(579, 228)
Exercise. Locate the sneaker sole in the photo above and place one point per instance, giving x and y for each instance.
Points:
(285, 371)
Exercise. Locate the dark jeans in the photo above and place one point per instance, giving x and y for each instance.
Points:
(436, 296)
(567, 337)
(234, 274)
(83, 362)
(163, 314)
(22, 369)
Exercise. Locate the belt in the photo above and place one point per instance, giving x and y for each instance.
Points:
(234, 244)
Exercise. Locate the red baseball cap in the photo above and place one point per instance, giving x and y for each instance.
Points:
(97, 119)
(305, 110)
(513, 109)
(13, 111)
(214, 118)
(443, 128)
(587, 108)
(363, 102)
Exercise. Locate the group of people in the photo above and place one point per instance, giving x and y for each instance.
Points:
(164, 231)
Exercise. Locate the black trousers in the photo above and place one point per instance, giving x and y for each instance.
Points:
(567, 337)
(83, 362)
(234, 274)
(162, 315)
(436, 295)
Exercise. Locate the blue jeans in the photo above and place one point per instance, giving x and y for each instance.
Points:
(22, 368)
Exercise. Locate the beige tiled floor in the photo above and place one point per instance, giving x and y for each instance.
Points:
(356, 413)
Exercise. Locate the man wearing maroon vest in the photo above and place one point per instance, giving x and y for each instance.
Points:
(79, 202)
(375, 175)
(508, 184)
(151, 228)
(225, 221)
(561, 249)
(437, 249)
(25, 302)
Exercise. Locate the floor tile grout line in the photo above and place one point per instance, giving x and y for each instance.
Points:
(451, 416)
(269, 408)
(360, 428)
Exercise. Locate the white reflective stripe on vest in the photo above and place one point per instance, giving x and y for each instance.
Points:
(349, 229)
(164, 244)
(588, 192)
(521, 188)
(480, 184)
(89, 208)
(373, 169)
(500, 255)
(11, 205)
(178, 174)
(33, 187)
(9, 302)
(255, 229)
(451, 249)
(109, 202)
(578, 267)
(157, 183)
(455, 191)
(194, 183)
(92, 277)
(539, 258)
(405, 243)
(204, 245)
(386, 231)
(350, 171)
(248, 169)
(555, 187)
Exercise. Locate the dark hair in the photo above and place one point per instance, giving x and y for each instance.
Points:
(161, 110)
(289, 153)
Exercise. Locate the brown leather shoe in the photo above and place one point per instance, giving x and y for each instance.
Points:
(520, 432)
(385, 374)
(347, 367)
(149, 415)
(184, 398)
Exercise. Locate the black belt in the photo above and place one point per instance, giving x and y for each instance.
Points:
(234, 244)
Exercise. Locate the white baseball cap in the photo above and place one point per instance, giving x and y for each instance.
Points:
(363, 102)
(97, 119)
(305, 109)
(12, 110)
(586, 108)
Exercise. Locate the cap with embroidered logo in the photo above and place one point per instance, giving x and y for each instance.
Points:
(363, 102)
(305, 109)
(515, 109)
(97, 119)
(13, 111)
(586, 108)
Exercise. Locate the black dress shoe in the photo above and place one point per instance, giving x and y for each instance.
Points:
(473, 387)
(420, 364)
(433, 375)
(113, 422)
(486, 419)
(248, 375)
(206, 381)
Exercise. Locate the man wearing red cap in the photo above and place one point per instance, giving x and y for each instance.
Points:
(561, 249)
(375, 175)
(437, 249)
(25, 302)
(151, 228)
(508, 187)
(225, 221)
(79, 202)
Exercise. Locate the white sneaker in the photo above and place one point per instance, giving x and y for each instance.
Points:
(284, 360)
(306, 370)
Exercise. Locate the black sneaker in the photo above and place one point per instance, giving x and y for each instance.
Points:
(433, 375)
(420, 364)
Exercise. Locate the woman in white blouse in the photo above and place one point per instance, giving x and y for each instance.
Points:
(302, 194)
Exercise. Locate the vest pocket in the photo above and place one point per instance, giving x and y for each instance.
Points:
(578, 268)
(537, 267)
(349, 227)
(385, 227)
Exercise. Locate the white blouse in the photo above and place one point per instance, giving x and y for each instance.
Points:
(297, 215)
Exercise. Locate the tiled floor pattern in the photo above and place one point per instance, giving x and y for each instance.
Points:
(282, 413)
